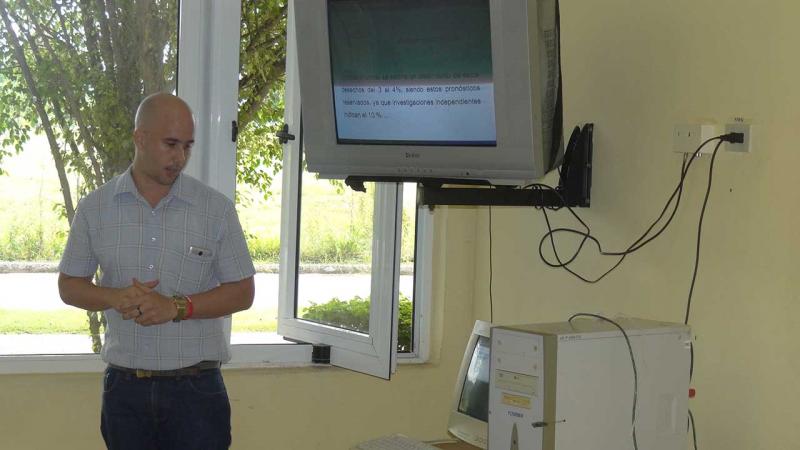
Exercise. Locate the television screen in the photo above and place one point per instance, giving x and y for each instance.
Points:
(412, 72)
(433, 89)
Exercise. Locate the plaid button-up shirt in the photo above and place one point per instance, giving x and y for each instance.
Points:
(191, 242)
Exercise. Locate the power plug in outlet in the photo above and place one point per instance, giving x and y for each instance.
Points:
(686, 138)
(740, 125)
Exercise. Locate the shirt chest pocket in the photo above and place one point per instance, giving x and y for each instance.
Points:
(195, 268)
(192, 241)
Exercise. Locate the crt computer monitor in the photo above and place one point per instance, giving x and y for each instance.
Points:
(469, 411)
(452, 89)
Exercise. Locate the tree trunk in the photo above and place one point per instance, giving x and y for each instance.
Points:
(151, 48)
(70, 102)
(91, 35)
(106, 49)
(95, 318)
(40, 110)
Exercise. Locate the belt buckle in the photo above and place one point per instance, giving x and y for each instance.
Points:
(141, 373)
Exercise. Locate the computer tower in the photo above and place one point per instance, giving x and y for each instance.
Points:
(571, 386)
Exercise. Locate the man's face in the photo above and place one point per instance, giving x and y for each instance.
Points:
(164, 145)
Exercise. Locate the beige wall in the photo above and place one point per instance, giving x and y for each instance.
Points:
(634, 68)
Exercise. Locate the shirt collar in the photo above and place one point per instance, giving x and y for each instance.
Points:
(180, 189)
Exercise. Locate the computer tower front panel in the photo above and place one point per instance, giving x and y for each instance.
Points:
(516, 390)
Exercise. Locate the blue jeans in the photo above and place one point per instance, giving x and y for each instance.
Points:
(160, 413)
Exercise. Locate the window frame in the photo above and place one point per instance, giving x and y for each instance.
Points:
(204, 27)
(423, 286)
(374, 353)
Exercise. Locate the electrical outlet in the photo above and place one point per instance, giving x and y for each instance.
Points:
(740, 125)
(686, 138)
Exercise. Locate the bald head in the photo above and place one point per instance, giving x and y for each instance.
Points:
(163, 139)
(161, 106)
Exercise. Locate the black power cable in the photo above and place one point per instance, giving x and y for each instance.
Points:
(700, 233)
(639, 243)
(694, 279)
(587, 236)
(697, 259)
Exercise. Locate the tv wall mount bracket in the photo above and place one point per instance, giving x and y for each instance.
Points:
(573, 190)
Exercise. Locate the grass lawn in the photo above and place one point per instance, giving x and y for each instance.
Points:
(74, 321)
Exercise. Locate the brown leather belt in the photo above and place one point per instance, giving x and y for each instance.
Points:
(182, 372)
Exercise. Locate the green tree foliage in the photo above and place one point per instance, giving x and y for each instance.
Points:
(353, 315)
(76, 70)
(262, 56)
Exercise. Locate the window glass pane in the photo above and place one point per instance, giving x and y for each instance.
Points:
(405, 332)
(71, 77)
(260, 214)
(335, 254)
(262, 70)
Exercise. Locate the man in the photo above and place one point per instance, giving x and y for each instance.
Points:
(174, 262)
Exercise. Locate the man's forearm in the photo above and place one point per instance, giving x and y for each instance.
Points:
(82, 293)
(224, 299)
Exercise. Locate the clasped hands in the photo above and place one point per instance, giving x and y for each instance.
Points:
(144, 305)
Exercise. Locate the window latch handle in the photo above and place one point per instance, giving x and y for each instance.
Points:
(284, 136)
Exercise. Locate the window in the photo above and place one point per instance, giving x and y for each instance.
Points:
(71, 76)
(329, 261)
(207, 79)
(367, 350)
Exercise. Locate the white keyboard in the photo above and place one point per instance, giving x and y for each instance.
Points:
(396, 442)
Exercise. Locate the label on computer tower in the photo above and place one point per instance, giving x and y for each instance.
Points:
(518, 401)
(517, 382)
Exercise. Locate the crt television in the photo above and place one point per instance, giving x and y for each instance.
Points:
(414, 89)
(469, 410)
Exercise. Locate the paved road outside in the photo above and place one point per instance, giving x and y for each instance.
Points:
(39, 291)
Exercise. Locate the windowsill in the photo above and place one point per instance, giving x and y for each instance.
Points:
(272, 352)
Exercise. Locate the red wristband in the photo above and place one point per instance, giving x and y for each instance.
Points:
(189, 307)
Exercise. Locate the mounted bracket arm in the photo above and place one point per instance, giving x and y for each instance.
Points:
(574, 186)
